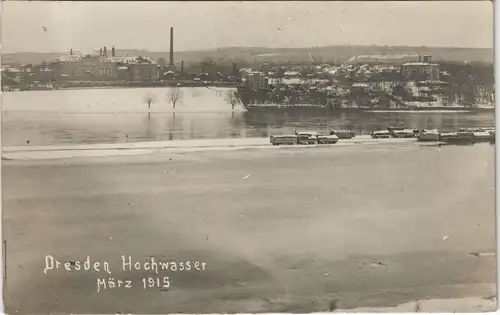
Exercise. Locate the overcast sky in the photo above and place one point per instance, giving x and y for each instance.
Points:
(85, 26)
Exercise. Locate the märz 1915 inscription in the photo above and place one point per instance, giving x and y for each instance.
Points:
(145, 283)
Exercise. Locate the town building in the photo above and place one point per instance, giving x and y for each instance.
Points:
(209, 71)
(83, 68)
(423, 70)
(257, 80)
(135, 68)
(100, 67)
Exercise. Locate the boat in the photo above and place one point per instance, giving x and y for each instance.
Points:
(307, 137)
(483, 136)
(343, 134)
(381, 134)
(283, 139)
(428, 135)
(330, 139)
(472, 129)
(460, 137)
(447, 135)
(403, 133)
(392, 129)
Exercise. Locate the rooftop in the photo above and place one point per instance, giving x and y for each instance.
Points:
(420, 64)
(69, 58)
(121, 59)
(12, 70)
(129, 60)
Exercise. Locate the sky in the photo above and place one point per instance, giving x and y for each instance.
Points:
(29, 26)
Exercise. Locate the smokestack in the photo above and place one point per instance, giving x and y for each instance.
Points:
(235, 69)
(113, 51)
(105, 53)
(100, 52)
(182, 66)
(71, 52)
(171, 46)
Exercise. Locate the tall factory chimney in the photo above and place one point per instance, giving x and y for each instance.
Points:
(71, 52)
(113, 51)
(235, 70)
(100, 52)
(182, 66)
(171, 46)
(105, 53)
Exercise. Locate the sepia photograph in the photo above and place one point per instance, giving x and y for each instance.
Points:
(203, 157)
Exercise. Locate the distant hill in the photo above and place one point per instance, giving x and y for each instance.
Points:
(257, 55)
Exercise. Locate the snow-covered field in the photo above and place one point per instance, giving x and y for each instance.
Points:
(179, 146)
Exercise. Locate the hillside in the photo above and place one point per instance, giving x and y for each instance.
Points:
(253, 55)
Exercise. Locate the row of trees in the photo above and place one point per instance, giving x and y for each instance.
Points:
(464, 83)
(470, 82)
(175, 94)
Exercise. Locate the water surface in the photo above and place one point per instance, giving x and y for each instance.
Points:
(122, 115)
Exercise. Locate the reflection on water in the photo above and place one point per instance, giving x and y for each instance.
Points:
(202, 114)
(53, 129)
(366, 122)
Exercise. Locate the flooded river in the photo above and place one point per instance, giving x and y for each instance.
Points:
(122, 115)
(281, 230)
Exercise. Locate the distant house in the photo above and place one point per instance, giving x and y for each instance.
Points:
(292, 74)
(360, 88)
(169, 75)
(274, 81)
(27, 68)
(43, 75)
(257, 80)
(185, 76)
(11, 70)
(11, 76)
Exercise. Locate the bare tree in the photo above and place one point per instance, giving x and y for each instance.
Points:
(231, 98)
(174, 95)
(149, 99)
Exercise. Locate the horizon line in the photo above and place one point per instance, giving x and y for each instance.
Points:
(258, 47)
